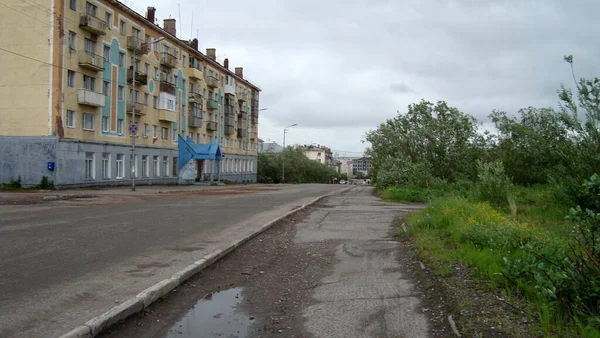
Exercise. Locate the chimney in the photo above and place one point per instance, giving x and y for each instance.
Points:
(150, 14)
(226, 63)
(211, 53)
(169, 25)
(195, 44)
(239, 71)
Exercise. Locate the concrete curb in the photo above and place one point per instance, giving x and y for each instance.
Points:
(138, 303)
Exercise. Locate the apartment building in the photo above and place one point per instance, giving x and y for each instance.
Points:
(362, 165)
(318, 153)
(83, 79)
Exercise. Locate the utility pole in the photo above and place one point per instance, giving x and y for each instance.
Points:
(283, 152)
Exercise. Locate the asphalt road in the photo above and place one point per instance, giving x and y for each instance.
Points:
(61, 265)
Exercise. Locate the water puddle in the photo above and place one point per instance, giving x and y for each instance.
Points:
(214, 316)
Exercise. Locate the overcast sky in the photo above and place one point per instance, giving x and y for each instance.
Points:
(339, 68)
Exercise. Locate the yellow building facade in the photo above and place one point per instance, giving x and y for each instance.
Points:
(85, 76)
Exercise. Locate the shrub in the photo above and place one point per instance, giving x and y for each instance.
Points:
(15, 184)
(493, 185)
(45, 184)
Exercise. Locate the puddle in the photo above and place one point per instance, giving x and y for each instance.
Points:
(214, 316)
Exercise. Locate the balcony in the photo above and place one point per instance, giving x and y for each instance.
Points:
(194, 121)
(167, 115)
(194, 74)
(140, 108)
(242, 96)
(168, 60)
(253, 135)
(212, 81)
(195, 95)
(141, 79)
(92, 24)
(242, 133)
(90, 98)
(212, 104)
(254, 119)
(211, 125)
(167, 87)
(229, 130)
(137, 45)
(229, 120)
(91, 61)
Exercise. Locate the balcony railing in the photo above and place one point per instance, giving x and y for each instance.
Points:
(92, 24)
(140, 108)
(211, 125)
(194, 74)
(254, 119)
(229, 130)
(141, 79)
(167, 115)
(229, 120)
(137, 45)
(195, 95)
(90, 98)
(212, 104)
(253, 135)
(242, 96)
(194, 121)
(242, 132)
(167, 87)
(91, 61)
(211, 81)
(169, 60)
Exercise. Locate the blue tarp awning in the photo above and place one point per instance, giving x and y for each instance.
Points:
(188, 150)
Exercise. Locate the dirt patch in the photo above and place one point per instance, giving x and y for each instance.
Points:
(275, 275)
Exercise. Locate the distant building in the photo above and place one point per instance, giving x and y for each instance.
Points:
(269, 147)
(362, 165)
(318, 153)
(346, 165)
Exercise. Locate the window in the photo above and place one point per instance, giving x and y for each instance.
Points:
(89, 166)
(120, 165)
(133, 165)
(165, 168)
(108, 19)
(122, 27)
(198, 138)
(120, 126)
(70, 119)
(89, 82)
(146, 96)
(155, 131)
(155, 167)
(90, 46)
(121, 93)
(105, 165)
(183, 60)
(91, 9)
(71, 79)
(146, 129)
(164, 133)
(106, 88)
(105, 124)
(72, 41)
(147, 68)
(170, 104)
(145, 168)
(174, 138)
(121, 59)
(135, 32)
(156, 74)
(107, 53)
(88, 121)
(73, 5)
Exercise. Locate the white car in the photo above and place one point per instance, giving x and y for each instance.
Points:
(342, 182)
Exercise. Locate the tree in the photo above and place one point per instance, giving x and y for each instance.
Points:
(298, 168)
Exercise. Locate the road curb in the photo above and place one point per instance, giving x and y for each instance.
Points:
(142, 300)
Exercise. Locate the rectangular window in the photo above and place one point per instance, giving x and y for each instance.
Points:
(71, 79)
(146, 98)
(155, 167)
(108, 19)
(73, 5)
(89, 166)
(164, 133)
(155, 102)
(174, 166)
(122, 27)
(105, 165)
(106, 88)
(165, 168)
(183, 60)
(72, 41)
(70, 119)
(121, 93)
(156, 73)
(147, 68)
(90, 46)
(146, 129)
(91, 9)
(135, 32)
(174, 138)
(133, 165)
(107, 53)
(105, 124)
(88, 121)
(122, 60)
(89, 83)
(145, 168)
(120, 165)
(155, 131)
(120, 126)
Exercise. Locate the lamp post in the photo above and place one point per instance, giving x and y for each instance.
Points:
(133, 101)
(283, 153)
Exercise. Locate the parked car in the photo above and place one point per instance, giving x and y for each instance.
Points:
(342, 182)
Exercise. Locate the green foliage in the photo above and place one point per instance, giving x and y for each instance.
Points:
(298, 168)
(493, 184)
(45, 184)
(15, 184)
(409, 195)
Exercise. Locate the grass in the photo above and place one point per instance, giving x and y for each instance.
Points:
(409, 195)
(498, 245)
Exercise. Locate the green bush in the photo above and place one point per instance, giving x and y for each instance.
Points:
(15, 184)
(45, 184)
(493, 185)
(410, 195)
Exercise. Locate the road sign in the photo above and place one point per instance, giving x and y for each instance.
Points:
(133, 128)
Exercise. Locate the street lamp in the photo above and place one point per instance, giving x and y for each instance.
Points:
(246, 143)
(283, 153)
(133, 101)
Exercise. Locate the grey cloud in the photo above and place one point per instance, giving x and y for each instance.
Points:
(401, 88)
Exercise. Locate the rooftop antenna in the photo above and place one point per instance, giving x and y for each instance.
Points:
(192, 26)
